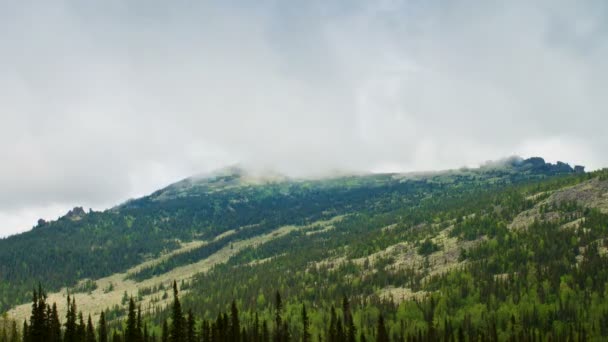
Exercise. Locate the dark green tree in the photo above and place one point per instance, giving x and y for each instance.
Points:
(81, 329)
(54, 325)
(103, 329)
(131, 333)
(165, 332)
(235, 326)
(90, 334)
(25, 333)
(191, 327)
(278, 320)
(70, 334)
(381, 333)
(305, 325)
(177, 318)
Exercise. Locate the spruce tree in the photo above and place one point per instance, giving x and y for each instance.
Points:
(103, 329)
(54, 325)
(81, 330)
(278, 321)
(145, 334)
(131, 329)
(305, 325)
(381, 333)
(191, 328)
(25, 334)
(349, 324)
(177, 323)
(255, 331)
(14, 332)
(165, 332)
(205, 332)
(265, 332)
(70, 322)
(138, 325)
(235, 326)
(90, 334)
(332, 333)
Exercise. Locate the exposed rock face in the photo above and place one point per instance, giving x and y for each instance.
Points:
(75, 214)
(591, 194)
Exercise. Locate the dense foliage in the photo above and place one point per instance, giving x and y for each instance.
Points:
(355, 280)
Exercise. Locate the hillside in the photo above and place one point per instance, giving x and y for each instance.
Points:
(461, 241)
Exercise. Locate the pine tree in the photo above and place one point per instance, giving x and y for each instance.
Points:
(205, 332)
(131, 329)
(90, 334)
(349, 324)
(116, 337)
(332, 333)
(191, 328)
(265, 332)
(25, 334)
(38, 318)
(165, 332)
(138, 325)
(103, 329)
(14, 333)
(278, 321)
(235, 326)
(54, 325)
(81, 330)
(255, 330)
(70, 323)
(381, 334)
(146, 334)
(305, 325)
(177, 323)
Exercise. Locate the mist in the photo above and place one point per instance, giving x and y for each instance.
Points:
(108, 101)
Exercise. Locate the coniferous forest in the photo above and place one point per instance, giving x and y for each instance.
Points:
(515, 253)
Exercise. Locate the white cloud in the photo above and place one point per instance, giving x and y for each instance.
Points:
(102, 103)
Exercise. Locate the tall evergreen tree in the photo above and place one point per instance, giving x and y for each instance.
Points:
(54, 325)
(332, 332)
(265, 332)
(381, 333)
(278, 320)
(81, 329)
(164, 337)
(131, 334)
(14, 332)
(235, 326)
(103, 329)
(38, 318)
(305, 325)
(25, 334)
(90, 334)
(191, 328)
(255, 329)
(205, 331)
(177, 322)
(349, 324)
(70, 334)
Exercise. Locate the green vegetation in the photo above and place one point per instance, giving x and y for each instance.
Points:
(419, 258)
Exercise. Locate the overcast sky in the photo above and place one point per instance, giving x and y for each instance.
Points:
(101, 101)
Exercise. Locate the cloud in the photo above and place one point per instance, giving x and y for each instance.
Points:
(108, 101)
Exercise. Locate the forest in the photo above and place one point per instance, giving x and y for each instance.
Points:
(449, 240)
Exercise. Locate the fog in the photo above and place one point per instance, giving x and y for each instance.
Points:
(112, 100)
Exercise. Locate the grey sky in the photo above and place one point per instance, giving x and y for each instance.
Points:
(103, 101)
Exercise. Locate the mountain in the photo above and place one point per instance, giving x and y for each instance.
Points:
(518, 238)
